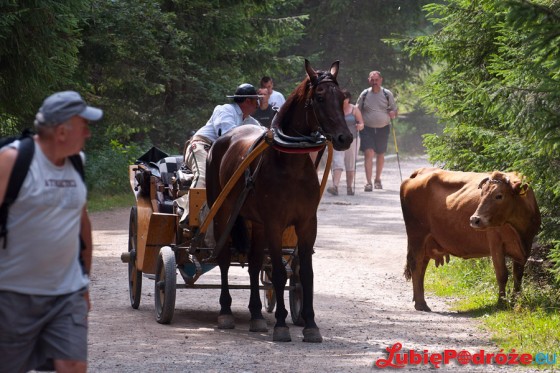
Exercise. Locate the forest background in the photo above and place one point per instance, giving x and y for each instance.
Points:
(477, 81)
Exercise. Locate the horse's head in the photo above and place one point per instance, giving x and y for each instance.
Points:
(325, 100)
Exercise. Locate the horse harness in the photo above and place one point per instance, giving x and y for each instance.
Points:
(276, 138)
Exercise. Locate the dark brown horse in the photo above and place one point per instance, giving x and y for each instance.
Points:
(285, 192)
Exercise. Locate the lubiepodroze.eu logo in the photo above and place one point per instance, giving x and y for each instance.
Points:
(401, 359)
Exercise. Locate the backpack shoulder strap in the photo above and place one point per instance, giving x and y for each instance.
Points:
(15, 181)
(386, 97)
(78, 165)
(363, 97)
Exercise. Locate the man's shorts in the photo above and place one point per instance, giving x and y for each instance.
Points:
(35, 330)
(375, 138)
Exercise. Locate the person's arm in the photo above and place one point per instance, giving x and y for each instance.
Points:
(225, 119)
(86, 236)
(359, 119)
(86, 251)
(7, 160)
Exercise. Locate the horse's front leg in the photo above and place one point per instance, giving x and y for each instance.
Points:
(306, 240)
(279, 276)
(256, 254)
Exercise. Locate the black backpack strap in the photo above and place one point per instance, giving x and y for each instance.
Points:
(363, 97)
(17, 176)
(387, 98)
(78, 165)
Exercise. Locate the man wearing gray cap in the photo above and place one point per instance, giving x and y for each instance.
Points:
(44, 270)
(224, 118)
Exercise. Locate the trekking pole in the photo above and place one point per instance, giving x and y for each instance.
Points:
(396, 148)
(356, 158)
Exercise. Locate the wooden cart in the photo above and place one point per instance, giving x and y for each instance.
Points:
(159, 247)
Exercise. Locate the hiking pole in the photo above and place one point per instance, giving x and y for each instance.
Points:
(356, 158)
(396, 148)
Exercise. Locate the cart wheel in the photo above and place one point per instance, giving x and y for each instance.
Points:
(134, 275)
(296, 294)
(166, 285)
(269, 299)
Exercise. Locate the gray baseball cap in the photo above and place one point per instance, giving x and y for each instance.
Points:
(61, 106)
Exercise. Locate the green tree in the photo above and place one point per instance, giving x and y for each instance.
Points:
(161, 66)
(356, 33)
(496, 88)
(39, 43)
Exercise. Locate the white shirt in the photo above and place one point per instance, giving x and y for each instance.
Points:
(42, 256)
(276, 99)
(223, 119)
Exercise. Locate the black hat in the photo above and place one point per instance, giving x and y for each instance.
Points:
(245, 90)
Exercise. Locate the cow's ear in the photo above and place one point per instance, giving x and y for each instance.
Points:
(520, 188)
(482, 182)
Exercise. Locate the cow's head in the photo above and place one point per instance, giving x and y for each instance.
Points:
(497, 200)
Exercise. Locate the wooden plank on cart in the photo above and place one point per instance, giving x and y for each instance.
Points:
(197, 198)
(155, 230)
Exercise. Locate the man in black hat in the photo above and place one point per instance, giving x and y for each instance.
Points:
(44, 299)
(224, 118)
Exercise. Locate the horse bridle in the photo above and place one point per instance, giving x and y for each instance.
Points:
(310, 107)
(317, 136)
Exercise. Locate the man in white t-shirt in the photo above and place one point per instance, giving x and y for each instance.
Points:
(275, 99)
(44, 269)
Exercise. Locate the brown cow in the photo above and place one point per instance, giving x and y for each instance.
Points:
(468, 215)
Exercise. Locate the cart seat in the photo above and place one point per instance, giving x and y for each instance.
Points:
(168, 167)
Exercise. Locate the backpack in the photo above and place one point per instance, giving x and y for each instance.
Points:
(26, 151)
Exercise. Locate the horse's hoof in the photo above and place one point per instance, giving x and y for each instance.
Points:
(281, 334)
(422, 307)
(312, 335)
(258, 325)
(226, 322)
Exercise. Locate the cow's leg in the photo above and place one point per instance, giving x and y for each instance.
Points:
(257, 323)
(418, 285)
(416, 264)
(500, 268)
(307, 233)
(518, 270)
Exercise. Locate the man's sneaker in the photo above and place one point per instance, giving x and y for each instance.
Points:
(377, 184)
(368, 188)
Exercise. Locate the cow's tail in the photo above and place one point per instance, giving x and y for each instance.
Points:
(406, 216)
(408, 270)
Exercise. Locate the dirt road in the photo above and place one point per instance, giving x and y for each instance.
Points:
(362, 302)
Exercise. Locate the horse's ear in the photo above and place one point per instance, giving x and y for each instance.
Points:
(310, 72)
(334, 68)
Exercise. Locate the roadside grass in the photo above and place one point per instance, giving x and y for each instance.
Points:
(531, 324)
(103, 202)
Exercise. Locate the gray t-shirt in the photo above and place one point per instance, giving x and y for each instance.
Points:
(375, 110)
(42, 256)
